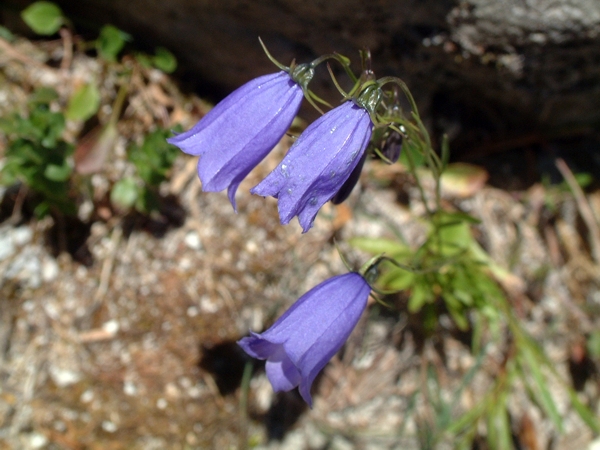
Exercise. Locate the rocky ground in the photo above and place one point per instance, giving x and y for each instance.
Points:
(127, 340)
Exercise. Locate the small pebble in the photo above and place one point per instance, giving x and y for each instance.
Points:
(38, 440)
(109, 426)
(50, 270)
(192, 240)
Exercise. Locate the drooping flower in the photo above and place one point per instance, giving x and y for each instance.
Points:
(243, 128)
(349, 184)
(318, 164)
(306, 336)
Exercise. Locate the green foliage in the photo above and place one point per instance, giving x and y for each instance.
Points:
(6, 34)
(84, 102)
(36, 155)
(446, 267)
(125, 193)
(450, 269)
(44, 18)
(154, 157)
(153, 160)
(110, 42)
(163, 60)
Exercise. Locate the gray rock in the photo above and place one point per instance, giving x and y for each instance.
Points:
(492, 67)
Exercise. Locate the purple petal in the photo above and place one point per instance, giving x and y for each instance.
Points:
(306, 336)
(349, 184)
(318, 164)
(257, 347)
(241, 130)
(281, 371)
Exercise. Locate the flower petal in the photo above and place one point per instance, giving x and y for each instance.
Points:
(281, 371)
(310, 332)
(241, 130)
(257, 347)
(318, 164)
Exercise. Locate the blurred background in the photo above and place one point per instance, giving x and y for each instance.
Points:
(124, 287)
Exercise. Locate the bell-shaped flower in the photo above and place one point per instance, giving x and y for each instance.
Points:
(309, 334)
(319, 163)
(242, 129)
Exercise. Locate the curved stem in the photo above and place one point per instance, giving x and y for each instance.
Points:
(271, 58)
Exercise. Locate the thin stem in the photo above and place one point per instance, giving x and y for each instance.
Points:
(413, 170)
(271, 58)
(344, 61)
(337, 85)
(245, 388)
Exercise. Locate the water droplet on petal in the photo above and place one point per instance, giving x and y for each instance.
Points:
(332, 174)
(312, 201)
(289, 191)
(284, 171)
(352, 157)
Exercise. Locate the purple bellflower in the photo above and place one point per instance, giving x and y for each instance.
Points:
(306, 336)
(319, 163)
(243, 128)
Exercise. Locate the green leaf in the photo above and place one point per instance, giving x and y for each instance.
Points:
(586, 415)
(6, 34)
(43, 17)
(420, 295)
(397, 279)
(499, 432)
(454, 237)
(154, 157)
(411, 152)
(57, 173)
(111, 41)
(457, 313)
(43, 96)
(377, 246)
(539, 387)
(84, 103)
(124, 193)
(164, 60)
(147, 201)
(143, 59)
(42, 209)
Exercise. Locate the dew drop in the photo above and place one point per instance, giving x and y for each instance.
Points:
(332, 174)
(289, 191)
(284, 171)
(352, 157)
(312, 201)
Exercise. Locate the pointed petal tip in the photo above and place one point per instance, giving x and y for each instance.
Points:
(231, 190)
(305, 394)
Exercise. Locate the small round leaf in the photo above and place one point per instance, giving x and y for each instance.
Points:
(43, 17)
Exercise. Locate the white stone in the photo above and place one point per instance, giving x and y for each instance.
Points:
(64, 377)
(129, 388)
(50, 270)
(38, 440)
(192, 240)
(111, 327)
(109, 426)
(22, 235)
